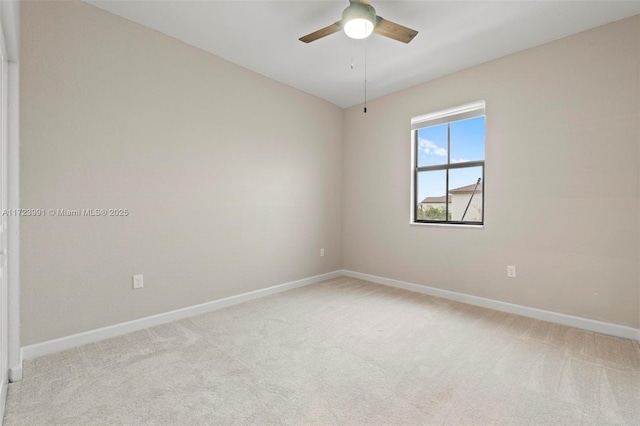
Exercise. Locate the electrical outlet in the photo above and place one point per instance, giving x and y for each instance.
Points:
(138, 282)
(511, 271)
(321, 252)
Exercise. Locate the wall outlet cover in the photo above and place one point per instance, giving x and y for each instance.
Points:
(138, 281)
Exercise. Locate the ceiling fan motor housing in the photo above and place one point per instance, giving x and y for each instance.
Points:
(358, 20)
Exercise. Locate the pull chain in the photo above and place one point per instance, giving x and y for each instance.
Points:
(365, 76)
(353, 45)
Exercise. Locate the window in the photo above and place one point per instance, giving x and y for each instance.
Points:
(448, 166)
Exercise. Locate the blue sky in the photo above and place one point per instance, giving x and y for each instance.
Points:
(467, 144)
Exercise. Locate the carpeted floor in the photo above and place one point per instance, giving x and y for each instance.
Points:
(344, 351)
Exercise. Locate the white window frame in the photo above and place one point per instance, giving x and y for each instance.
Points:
(449, 115)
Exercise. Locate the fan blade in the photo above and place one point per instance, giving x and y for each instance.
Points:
(394, 31)
(333, 28)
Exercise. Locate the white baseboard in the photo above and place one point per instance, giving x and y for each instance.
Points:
(92, 336)
(525, 311)
(15, 373)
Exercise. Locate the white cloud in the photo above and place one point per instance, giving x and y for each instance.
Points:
(431, 148)
(459, 160)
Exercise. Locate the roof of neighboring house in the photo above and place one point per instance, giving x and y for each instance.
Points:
(434, 200)
(468, 188)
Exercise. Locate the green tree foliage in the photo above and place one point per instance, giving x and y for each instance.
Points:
(432, 213)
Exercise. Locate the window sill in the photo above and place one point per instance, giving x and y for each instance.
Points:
(447, 225)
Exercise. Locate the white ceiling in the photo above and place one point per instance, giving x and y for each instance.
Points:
(453, 35)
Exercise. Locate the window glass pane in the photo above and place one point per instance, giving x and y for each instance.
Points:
(467, 140)
(432, 145)
(431, 190)
(462, 183)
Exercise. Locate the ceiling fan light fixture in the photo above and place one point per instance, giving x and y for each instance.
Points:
(358, 20)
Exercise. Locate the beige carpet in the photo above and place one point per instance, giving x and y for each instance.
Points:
(343, 351)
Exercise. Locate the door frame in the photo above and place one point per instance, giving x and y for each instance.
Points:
(10, 43)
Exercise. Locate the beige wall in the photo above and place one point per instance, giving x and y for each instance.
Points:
(563, 132)
(114, 115)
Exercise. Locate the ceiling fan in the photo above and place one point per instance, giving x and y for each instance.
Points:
(359, 20)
